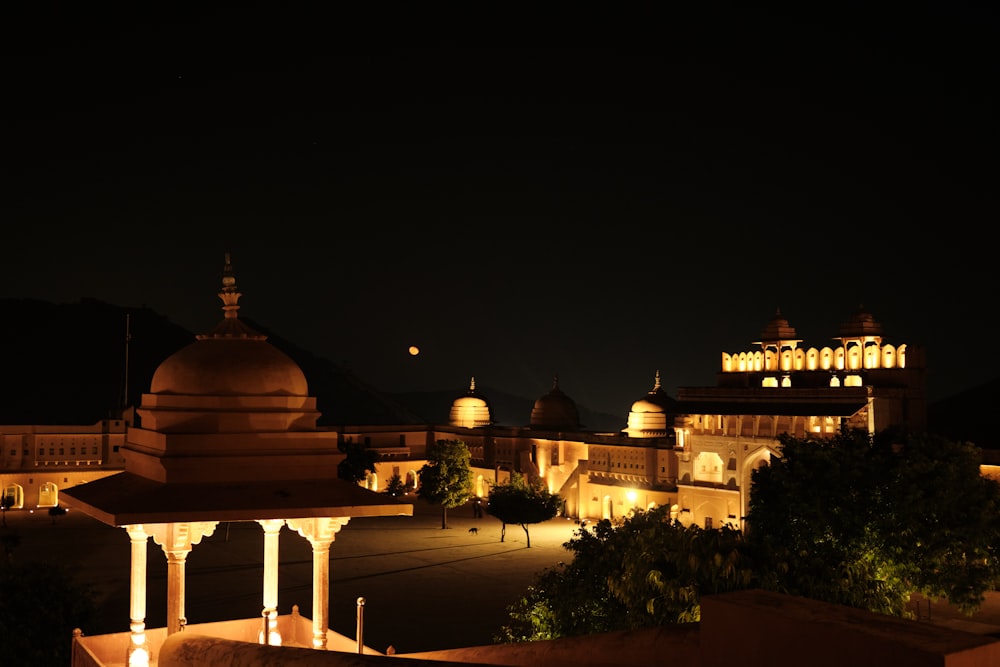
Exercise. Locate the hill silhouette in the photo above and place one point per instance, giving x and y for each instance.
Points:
(66, 364)
(963, 417)
(69, 364)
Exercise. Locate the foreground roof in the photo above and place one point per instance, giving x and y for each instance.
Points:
(125, 499)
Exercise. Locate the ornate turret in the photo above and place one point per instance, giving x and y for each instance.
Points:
(778, 334)
(861, 327)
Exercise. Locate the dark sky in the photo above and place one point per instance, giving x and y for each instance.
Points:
(595, 197)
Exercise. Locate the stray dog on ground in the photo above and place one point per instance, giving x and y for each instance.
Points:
(474, 530)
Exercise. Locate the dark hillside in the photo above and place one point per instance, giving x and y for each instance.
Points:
(965, 416)
(65, 363)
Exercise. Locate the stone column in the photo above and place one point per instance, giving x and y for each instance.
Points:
(177, 540)
(269, 633)
(320, 532)
(138, 651)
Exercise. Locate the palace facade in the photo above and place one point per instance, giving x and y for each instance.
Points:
(694, 453)
(228, 432)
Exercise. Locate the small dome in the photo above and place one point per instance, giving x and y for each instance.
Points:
(651, 414)
(471, 409)
(555, 410)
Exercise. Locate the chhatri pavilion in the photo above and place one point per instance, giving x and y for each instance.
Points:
(227, 432)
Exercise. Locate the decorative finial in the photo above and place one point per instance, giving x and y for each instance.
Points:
(656, 385)
(555, 381)
(230, 294)
(472, 385)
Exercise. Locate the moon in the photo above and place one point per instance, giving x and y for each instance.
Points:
(414, 350)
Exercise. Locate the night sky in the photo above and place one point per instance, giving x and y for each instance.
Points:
(596, 197)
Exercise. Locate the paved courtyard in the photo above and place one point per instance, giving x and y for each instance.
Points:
(425, 588)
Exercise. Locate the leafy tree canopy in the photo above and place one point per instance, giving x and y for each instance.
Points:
(358, 463)
(40, 606)
(867, 521)
(446, 478)
(856, 520)
(395, 486)
(646, 570)
(521, 502)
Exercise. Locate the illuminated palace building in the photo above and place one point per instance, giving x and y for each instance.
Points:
(694, 453)
(227, 431)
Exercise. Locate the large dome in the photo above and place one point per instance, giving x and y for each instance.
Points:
(226, 366)
(232, 360)
(555, 410)
(230, 380)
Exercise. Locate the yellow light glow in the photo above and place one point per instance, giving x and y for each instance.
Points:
(138, 657)
(414, 350)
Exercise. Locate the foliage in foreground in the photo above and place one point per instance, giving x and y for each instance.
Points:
(648, 570)
(522, 502)
(40, 606)
(446, 478)
(856, 520)
(868, 521)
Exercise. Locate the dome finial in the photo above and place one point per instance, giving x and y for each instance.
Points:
(472, 384)
(656, 385)
(230, 294)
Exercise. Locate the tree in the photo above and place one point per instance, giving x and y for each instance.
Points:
(6, 502)
(395, 486)
(856, 520)
(518, 501)
(867, 521)
(40, 605)
(645, 571)
(446, 478)
(358, 462)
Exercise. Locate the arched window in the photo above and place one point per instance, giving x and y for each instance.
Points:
(48, 495)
